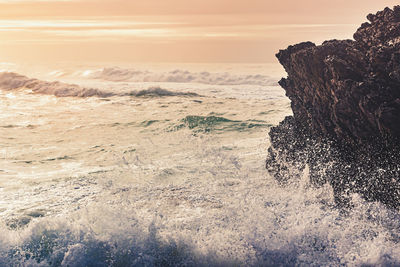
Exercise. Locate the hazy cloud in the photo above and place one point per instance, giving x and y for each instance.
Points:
(32, 1)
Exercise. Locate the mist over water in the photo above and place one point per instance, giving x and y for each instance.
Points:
(173, 175)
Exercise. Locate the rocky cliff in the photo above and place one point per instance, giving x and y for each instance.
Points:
(345, 98)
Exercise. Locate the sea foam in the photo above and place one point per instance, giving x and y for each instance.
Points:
(116, 74)
(12, 81)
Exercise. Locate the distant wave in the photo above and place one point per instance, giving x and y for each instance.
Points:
(13, 81)
(158, 91)
(116, 74)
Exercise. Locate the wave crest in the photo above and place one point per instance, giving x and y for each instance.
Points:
(13, 81)
(116, 74)
(158, 91)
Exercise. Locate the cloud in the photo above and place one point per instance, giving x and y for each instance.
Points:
(114, 32)
(99, 23)
(32, 1)
(108, 29)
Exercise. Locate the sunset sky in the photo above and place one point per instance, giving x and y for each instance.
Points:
(171, 30)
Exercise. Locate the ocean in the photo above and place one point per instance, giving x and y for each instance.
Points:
(164, 165)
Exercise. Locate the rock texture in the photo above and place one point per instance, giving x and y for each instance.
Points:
(345, 97)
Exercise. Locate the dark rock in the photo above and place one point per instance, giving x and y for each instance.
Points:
(345, 97)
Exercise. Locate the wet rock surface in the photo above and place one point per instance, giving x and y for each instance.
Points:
(345, 98)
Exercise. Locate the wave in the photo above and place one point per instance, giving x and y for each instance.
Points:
(116, 74)
(13, 81)
(227, 214)
(207, 124)
(158, 91)
(294, 229)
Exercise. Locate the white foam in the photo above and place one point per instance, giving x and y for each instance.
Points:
(114, 189)
(10, 95)
(181, 76)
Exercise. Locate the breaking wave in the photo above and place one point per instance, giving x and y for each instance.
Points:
(116, 74)
(295, 228)
(158, 91)
(206, 124)
(13, 81)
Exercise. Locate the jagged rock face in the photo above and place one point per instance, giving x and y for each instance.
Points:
(348, 89)
(346, 94)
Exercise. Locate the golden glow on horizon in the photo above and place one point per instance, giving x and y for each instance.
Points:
(171, 30)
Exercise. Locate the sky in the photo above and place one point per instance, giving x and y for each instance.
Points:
(203, 31)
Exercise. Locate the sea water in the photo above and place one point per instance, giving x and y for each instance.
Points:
(164, 165)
